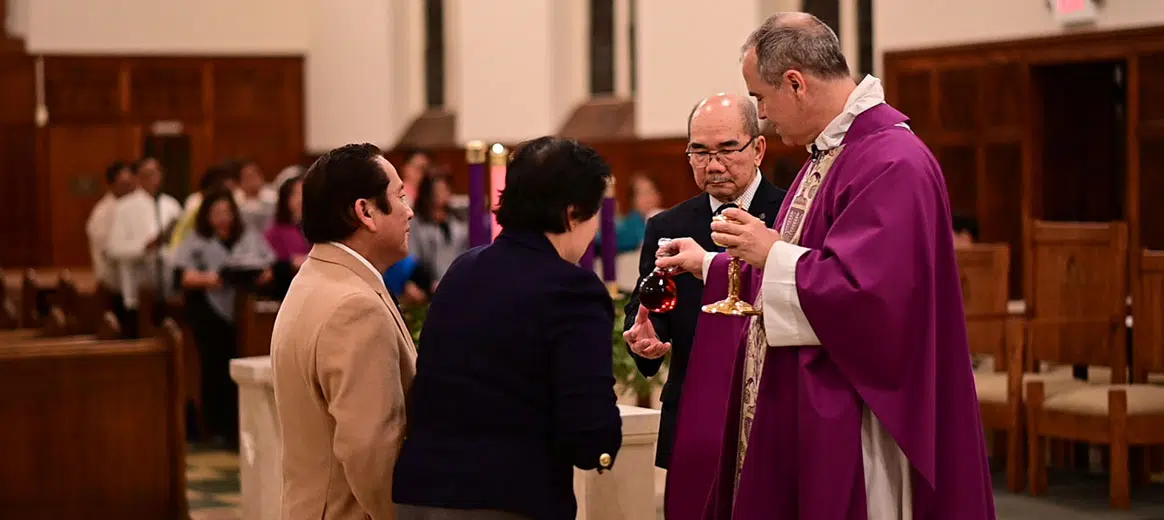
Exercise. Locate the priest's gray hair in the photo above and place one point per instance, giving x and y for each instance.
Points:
(748, 116)
(796, 41)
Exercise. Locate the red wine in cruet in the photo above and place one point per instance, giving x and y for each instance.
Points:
(657, 292)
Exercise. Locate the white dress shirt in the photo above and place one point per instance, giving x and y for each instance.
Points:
(138, 219)
(97, 230)
(350, 251)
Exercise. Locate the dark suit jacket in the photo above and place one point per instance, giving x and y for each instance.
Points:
(514, 384)
(691, 218)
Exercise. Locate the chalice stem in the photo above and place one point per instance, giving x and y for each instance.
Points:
(734, 276)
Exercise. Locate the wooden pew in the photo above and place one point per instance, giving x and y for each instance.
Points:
(9, 316)
(255, 322)
(92, 429)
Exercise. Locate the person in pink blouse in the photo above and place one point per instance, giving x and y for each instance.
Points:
(285, 235)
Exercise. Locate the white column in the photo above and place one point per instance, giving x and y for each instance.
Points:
(850, 34)
(407, 62)
(622, 48)
(520, 66)
(352, 88)
(687, 52)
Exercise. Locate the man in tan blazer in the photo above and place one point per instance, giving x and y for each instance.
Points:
(343, 358)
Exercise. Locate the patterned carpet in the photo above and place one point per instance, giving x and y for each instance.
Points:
(213, 492)
(213, 484)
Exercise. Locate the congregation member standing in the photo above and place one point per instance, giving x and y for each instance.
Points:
(217, 260)
(141, 223)
(285, 235)
(438, 236)
(851, 396)
(342, 355)
(514, 385)
(119, 182)
(256, 200)
(724, 149)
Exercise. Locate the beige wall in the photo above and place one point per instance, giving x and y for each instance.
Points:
(167, 27)
(521, 66)
(909, 24)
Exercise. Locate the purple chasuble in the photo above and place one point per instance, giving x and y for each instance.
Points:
(880, 288)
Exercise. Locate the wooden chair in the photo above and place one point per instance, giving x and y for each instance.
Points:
(984, 272)
(1080, 289)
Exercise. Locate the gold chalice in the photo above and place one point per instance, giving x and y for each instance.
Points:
(732, 305)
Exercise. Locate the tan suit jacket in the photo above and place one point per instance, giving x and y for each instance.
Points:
(343, 365)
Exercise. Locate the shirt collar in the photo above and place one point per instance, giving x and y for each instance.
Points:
(745, 200)
(350, 251)
(868, 94)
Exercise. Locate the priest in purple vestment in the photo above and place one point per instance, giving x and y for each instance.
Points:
(851, 396)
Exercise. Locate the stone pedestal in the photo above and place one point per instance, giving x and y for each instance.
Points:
(625, 492)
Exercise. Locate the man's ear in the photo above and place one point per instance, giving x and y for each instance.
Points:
(761, 147)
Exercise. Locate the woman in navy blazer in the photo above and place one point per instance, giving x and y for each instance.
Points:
(514, 385)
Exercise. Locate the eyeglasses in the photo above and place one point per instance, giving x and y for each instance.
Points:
(703, 157)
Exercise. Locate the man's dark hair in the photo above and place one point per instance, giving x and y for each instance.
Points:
(202, 219)
(547, 179)
(283, 207)
(332, 186)
(966, 223)
(114, 170)
(423, 205)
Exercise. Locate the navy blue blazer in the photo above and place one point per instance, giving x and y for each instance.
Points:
(514, 384)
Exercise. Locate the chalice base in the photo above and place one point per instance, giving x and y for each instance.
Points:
(732, 306)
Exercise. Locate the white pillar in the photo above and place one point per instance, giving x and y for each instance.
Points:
(622, 48)
(520, 66)
(364, 71)
(850, 35)
(687, 52)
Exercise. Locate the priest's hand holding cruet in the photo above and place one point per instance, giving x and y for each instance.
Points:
(745, 237)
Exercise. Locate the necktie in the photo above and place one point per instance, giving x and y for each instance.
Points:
(720, 210)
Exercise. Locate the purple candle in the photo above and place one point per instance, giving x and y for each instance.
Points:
(588, 259)
(609, 238)
(478, 218)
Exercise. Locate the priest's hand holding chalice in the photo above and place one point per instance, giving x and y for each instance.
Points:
(745, 237)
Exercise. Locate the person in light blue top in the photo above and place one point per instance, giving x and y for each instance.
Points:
(211, 265)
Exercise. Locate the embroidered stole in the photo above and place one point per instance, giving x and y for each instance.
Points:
(757, 342)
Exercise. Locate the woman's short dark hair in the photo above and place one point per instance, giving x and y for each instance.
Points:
(283, 207)
(202, 219)
(332, 186)
(550, 181)
(424, 206)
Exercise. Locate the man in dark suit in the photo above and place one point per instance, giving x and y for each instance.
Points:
(724, 149)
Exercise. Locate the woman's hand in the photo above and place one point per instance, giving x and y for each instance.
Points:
(265, 277)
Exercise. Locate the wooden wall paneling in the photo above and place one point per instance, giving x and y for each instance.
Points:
(19, 189)
(83, 89)
(165, 89)
(258, 106)
(1000, 203)
(1146, 148)
(76, 171)
(913, 95)
(960, 165)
